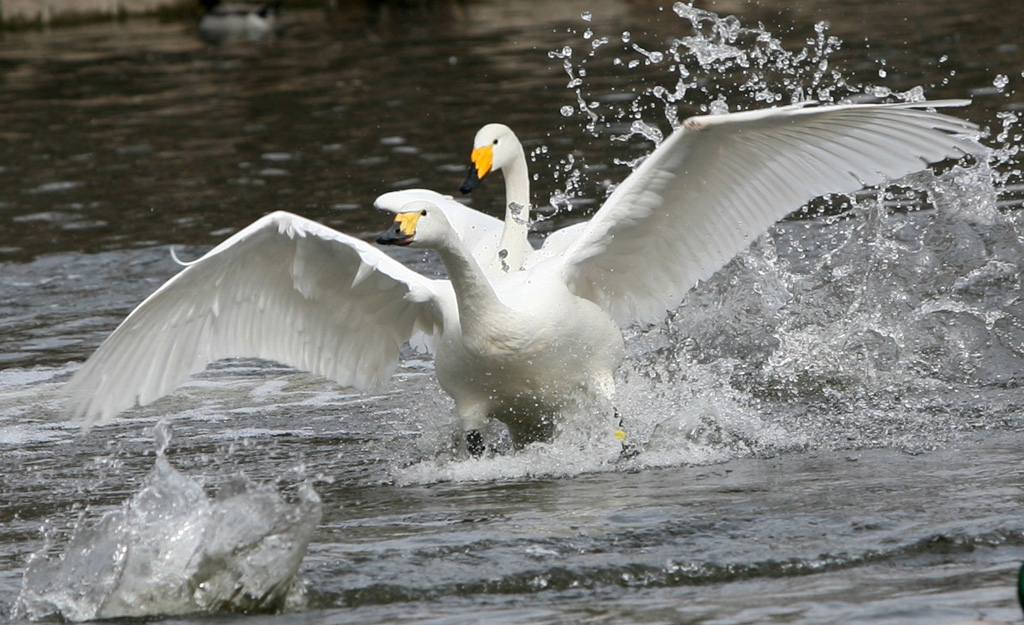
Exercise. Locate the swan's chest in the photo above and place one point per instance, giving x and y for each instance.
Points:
(495, 345)
(545, 342)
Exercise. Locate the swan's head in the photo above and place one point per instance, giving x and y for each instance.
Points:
(418, 223)
(495, 147)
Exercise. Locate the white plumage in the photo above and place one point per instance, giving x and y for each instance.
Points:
(517, 346)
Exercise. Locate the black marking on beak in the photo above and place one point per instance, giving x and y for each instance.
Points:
(395, 236)
(472, 180)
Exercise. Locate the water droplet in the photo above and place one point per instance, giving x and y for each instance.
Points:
(162, 436)
(1001, 80)
(566, 111)
(586, 16)
(647, 131)
(626, 36)
(882, 73)
(564, 53)
(914, 94)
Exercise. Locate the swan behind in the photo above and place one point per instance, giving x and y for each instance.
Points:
(496, 147)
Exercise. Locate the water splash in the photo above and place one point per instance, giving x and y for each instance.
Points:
(671, 413)
(173, 550)
(877, 327)
(635, 93)
(878, 320)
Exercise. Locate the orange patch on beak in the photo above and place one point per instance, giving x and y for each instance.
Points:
(482, 159)
(407, 222)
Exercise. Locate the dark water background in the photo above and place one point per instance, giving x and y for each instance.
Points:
(832, 425)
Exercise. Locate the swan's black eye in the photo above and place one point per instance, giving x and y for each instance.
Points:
(495, 142)
(423, 213)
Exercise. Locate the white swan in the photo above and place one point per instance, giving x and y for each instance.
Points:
(496, 148)
(238, 21)
(519, 346)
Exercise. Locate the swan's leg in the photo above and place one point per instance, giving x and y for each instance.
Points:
(630, 449)
(473, 416)
(475, 443)
(605, 391)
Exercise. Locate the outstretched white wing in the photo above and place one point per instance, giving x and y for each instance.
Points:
(556, 243)
(285, 288)
(719, 182)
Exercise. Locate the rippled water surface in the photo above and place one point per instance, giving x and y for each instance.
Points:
(831, 426)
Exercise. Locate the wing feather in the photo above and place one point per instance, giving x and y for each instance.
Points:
(285, 288)
(719, 182)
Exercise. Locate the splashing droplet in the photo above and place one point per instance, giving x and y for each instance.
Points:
(564, 53)
(719, 107)
(162, 435)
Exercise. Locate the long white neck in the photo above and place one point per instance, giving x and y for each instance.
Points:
(476, 298)
(513, 245)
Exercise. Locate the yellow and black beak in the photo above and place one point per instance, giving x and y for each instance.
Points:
(481, 158)
(402, 231)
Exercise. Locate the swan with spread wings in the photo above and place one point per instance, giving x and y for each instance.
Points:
(517, 346)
